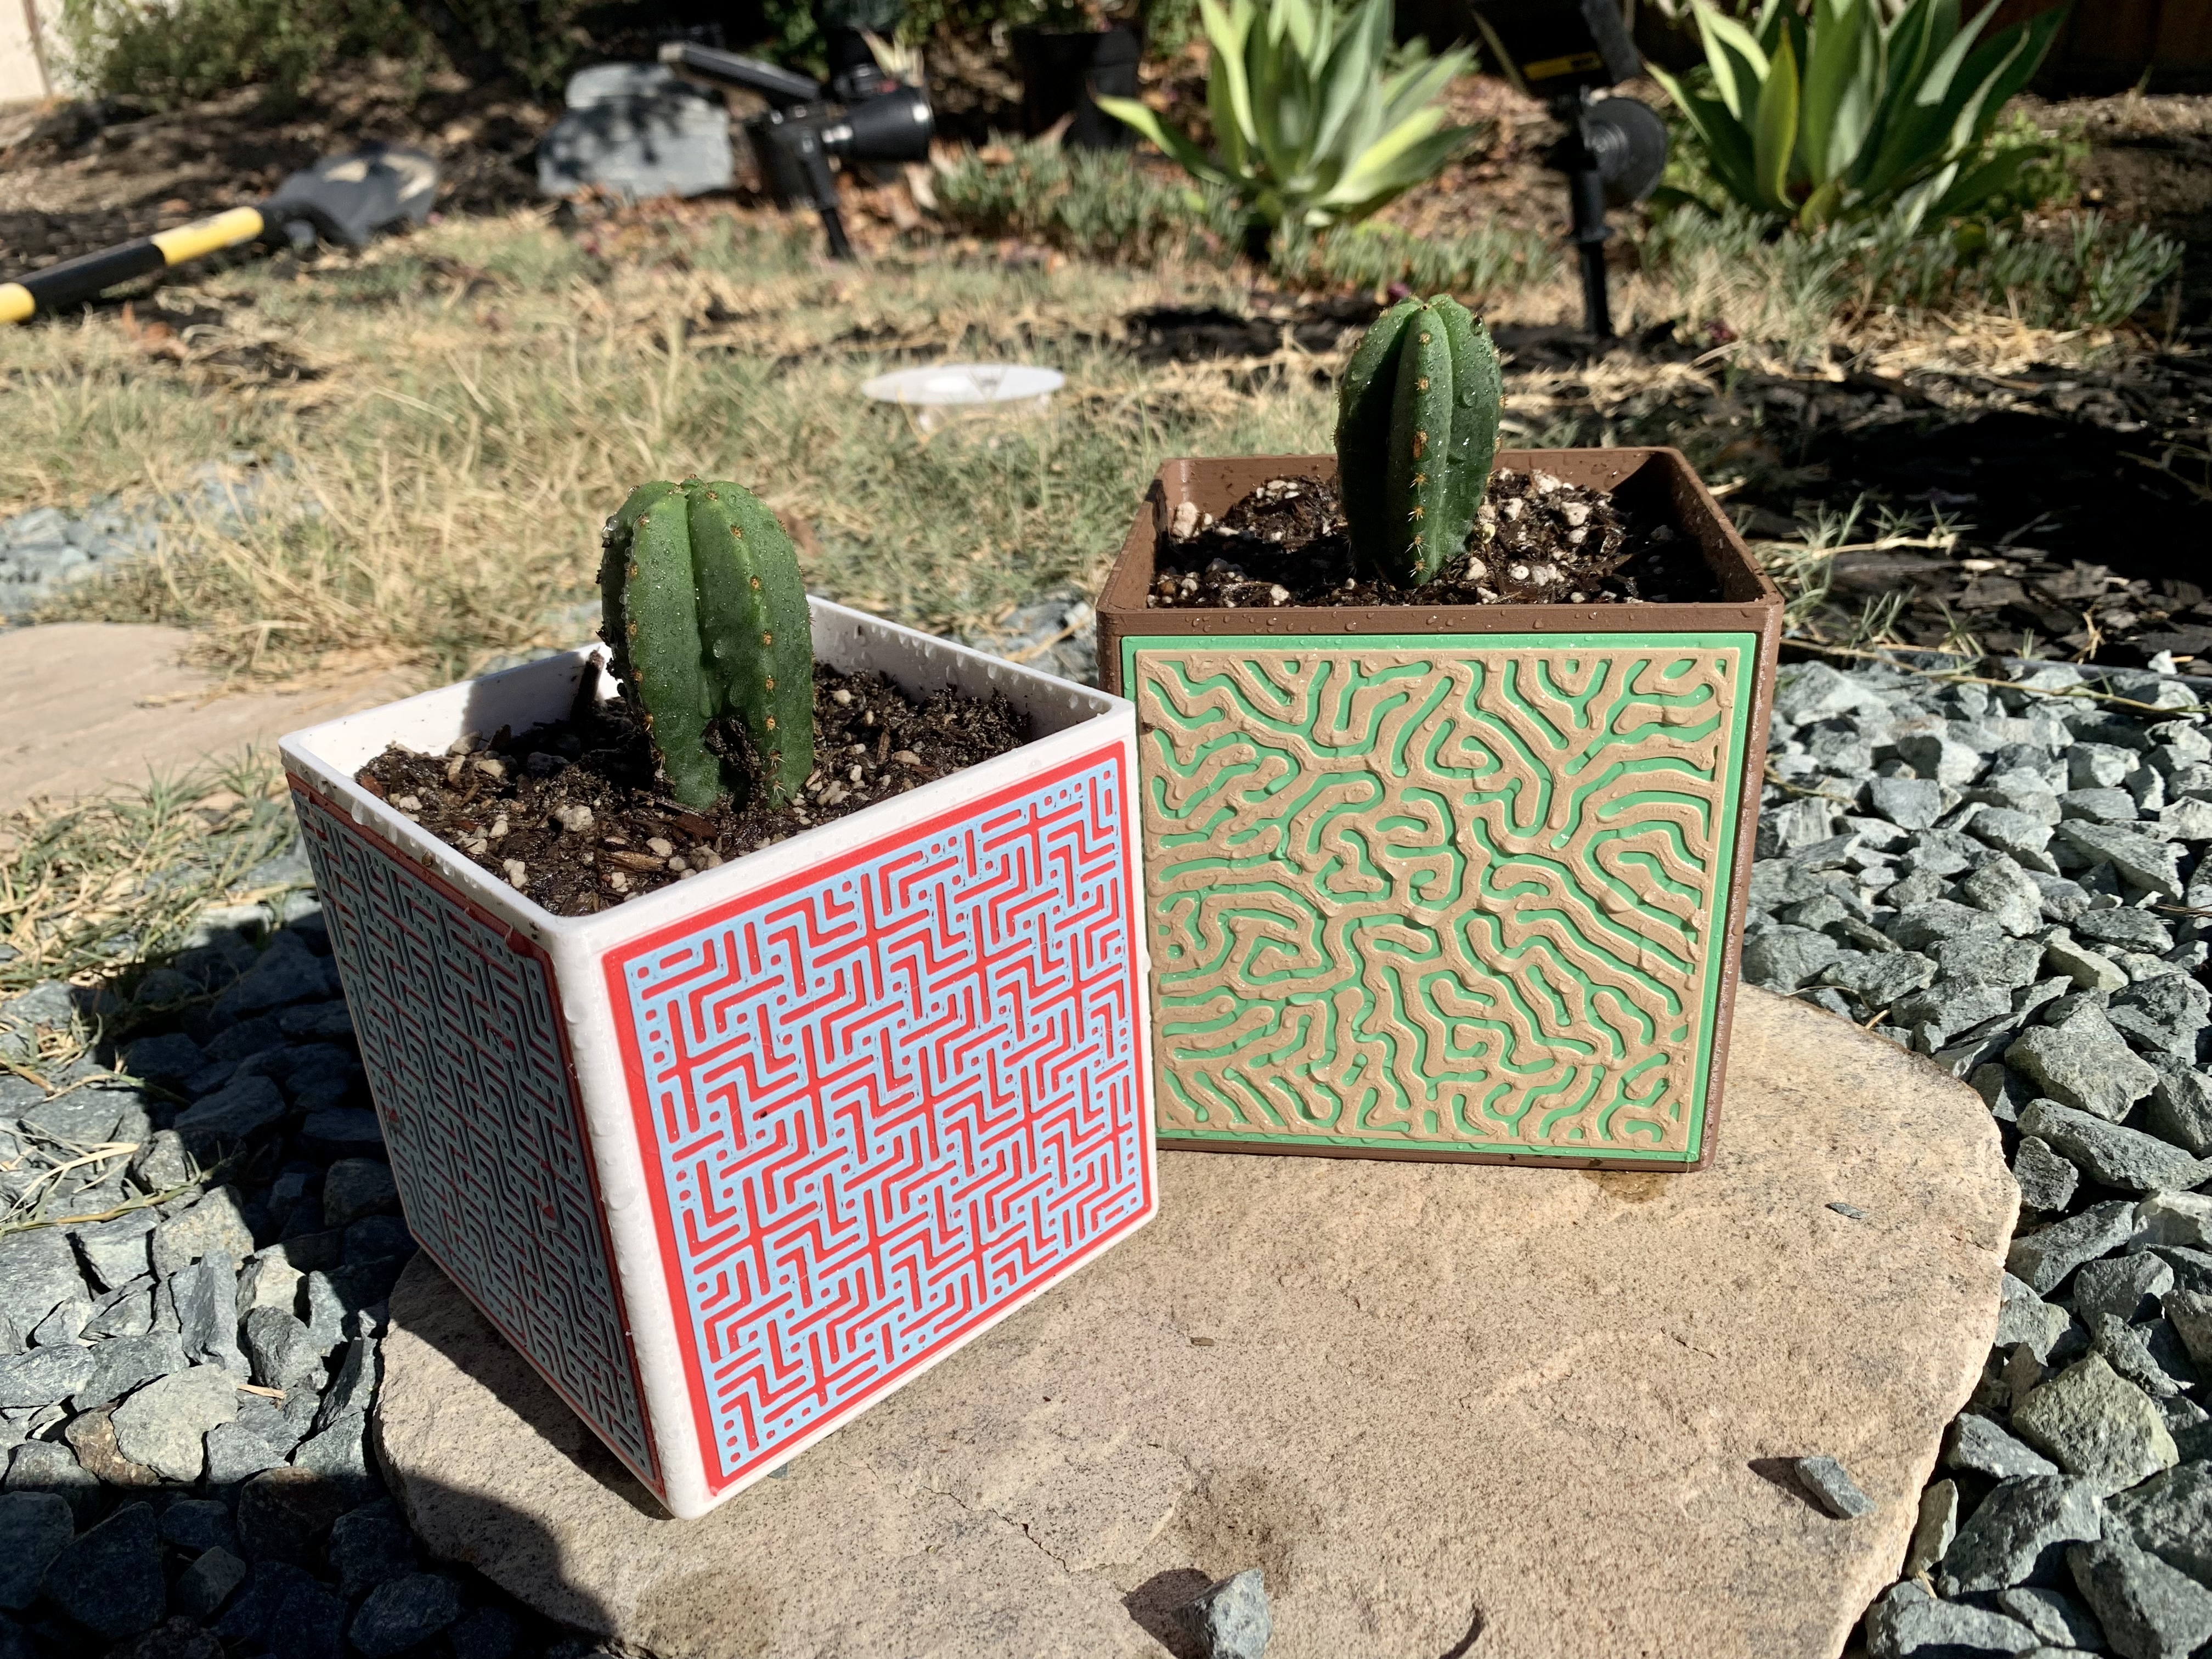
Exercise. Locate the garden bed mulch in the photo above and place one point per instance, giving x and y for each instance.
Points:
(2034, 509)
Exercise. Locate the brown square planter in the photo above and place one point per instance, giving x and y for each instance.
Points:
(1461, 883)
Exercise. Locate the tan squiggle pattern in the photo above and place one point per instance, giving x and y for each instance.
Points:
(1459, 899)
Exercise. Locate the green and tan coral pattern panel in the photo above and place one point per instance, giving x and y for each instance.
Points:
(1422, 895)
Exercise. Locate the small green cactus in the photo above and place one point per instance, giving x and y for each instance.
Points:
(1416, 430)
(706, 617)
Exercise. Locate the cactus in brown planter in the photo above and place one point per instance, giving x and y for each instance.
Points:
(707, 618)
(1416, 431)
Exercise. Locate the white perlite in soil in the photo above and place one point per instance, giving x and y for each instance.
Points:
(2010, 880)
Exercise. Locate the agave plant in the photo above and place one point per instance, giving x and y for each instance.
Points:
(1310, 126)
(1849, 112)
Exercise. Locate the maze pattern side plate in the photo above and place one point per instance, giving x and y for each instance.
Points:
(1442, 896)
(883, 1104)
(460, 1028)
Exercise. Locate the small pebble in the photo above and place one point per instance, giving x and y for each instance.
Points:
(1828, 1481)
(1230, 1618)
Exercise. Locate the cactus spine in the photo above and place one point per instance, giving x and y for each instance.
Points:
(1416, 431)
(707, 618)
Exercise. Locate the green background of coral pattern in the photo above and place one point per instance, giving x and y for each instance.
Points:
(1518, 846)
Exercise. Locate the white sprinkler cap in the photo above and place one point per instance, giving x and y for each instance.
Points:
(937, 390)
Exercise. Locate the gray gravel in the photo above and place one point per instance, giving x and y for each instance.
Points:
(1832, 1484)
(2013, 885)
(185, 1389)
(1056, 635)
(1976, 1444)
(47, 551)
(1230, 1618)
(1909, 1620)
(2019, 1533)
(2147, 1610)
(2056, 1619)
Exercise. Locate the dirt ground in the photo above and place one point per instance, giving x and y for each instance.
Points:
(2058, 504)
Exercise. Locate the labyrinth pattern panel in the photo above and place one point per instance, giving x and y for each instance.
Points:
(886, 1103)
(1413, 895)
(461, 1029)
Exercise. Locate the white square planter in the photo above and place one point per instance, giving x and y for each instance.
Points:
(733, 1161)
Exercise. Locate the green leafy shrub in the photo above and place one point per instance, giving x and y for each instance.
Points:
(1850, 114)
(169, 55)
(1110, 206)
(1311, 125)
(1100, 204)
(1484, 263)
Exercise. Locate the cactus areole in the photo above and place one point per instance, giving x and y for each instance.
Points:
(1416, 430)
(707, 618)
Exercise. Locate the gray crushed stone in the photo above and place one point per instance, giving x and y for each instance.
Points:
(1230, 1619)
(47, 551)
(1832, 1484)
(2147, 1609)
(1908, 1620)
(1973, 1441)
(2027, 902)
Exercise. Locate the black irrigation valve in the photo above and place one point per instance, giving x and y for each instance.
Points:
(1612, 155)
(1615, 149)
(857, 116)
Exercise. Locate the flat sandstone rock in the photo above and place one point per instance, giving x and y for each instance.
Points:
(88, 705)
(1555, 1407)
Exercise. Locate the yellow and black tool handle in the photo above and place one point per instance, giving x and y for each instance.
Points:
(89, 274)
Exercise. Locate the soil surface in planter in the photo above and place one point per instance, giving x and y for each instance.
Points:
(1538, 540)
(578, 804)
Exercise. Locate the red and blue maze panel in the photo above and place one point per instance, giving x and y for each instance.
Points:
(883, 1104)
(460, 1026)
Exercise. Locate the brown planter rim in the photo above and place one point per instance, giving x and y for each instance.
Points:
(1750, 602)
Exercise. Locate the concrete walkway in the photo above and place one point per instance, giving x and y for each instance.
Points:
(86, 707)
(1515, 1413)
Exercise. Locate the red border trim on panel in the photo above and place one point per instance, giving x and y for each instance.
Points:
(615, 961)
(520, 941)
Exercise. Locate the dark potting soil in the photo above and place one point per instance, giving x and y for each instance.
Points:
(575, 814)
(1537, 540)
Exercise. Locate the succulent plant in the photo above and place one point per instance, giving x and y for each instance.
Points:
(1859, 107)
(1416, 430)
(707, 618)
(1312, 127)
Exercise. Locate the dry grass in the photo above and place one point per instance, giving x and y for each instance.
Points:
(461, 412)
(90, 889)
